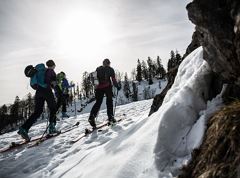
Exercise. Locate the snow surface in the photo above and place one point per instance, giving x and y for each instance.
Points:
(138, 147)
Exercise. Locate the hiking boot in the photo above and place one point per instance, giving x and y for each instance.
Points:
(91, 121)
(24, 134)
(52, 129)
(64, 114)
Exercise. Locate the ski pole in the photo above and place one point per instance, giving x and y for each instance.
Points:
(75, 107)
(44, 132)
(115, 105)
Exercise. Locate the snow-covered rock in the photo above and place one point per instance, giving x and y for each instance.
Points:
(180, 109)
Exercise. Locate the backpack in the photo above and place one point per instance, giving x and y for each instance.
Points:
(102, 74)
(94, 78)
(36, 75)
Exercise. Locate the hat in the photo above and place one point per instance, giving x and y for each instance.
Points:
(50, 63)
(106, 62)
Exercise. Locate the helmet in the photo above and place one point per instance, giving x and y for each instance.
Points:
(29, 71)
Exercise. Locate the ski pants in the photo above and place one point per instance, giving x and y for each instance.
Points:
(62, 101)
(99, 94)
(41, 96)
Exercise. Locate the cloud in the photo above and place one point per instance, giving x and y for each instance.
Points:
(139, 28)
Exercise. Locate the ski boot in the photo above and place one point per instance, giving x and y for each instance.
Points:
(91, 121)
(112, 121)
(64, 114)
(24, 134)
(52, 129)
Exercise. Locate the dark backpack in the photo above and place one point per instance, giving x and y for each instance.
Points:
(103, 74)
(36, 75)
(94, 79)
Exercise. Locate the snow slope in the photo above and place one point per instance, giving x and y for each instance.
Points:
(138, 147)
(58, 158)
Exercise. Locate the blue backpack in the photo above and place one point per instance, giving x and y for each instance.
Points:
(36, 75)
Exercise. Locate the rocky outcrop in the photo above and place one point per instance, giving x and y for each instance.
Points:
(219, 155)
(194, 44)
(218, 28)
(218, 23)
(158, 99)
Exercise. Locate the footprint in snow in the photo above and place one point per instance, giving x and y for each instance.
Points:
(109, 133)
(127, 124)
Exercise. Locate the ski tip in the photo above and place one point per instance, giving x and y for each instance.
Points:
(71, 142)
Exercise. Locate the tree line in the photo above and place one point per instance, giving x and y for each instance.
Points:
(14, 115)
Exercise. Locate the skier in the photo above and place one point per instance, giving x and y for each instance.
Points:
(105, 77)
(62, 93)
(43, 94)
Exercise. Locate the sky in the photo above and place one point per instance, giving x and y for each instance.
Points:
(79, 34)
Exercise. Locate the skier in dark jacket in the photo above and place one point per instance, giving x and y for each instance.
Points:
(42, 95)
(106, 77)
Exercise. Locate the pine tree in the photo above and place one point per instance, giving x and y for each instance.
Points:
(175, 60)
(154, 68)
(161, 72)
(3, 110)
(178, 58)
(30, 104)
(78, 92)
(126, 87)
(135, 92)
(3, 117)
(86, 84)
(139, 71)
(150, 71)
(144, 70)
(119, 75)
(15, 108)
(133, 74)
(171, 61)
(150, 80)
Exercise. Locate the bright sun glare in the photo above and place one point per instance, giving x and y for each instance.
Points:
(82, 32)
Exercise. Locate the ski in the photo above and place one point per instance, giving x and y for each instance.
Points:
(89, 131)
(15, 145)
(46, 137)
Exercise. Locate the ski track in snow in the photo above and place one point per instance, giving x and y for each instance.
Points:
(42, 160)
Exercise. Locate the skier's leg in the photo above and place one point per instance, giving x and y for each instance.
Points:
(39, 104)
(99, 98)
(64, 103)
(99, 94)
(52, 106)
(64, 106)
(109, 103)
(59, 102)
